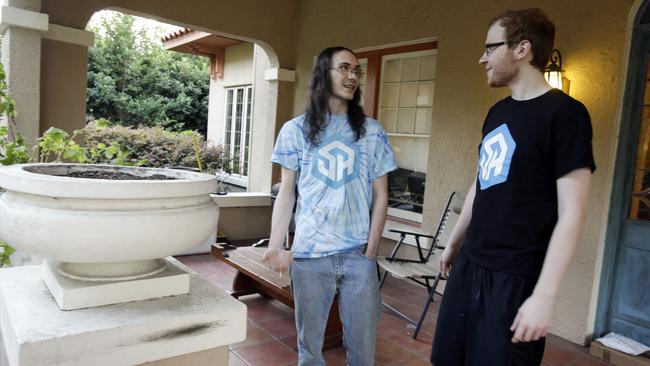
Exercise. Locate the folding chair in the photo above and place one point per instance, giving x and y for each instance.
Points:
(426, 268)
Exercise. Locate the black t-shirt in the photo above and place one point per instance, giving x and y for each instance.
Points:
(527, 145)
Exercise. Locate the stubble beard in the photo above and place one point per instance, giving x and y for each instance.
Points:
(503, 76)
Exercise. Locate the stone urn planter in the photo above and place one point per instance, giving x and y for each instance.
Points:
(104, 231)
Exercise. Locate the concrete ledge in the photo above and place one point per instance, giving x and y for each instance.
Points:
(278, 74)
(35, 332)
(242, 199)
(16, 17)
(75, 36)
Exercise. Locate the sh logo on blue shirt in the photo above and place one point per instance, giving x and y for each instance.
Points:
(337, 161)
(497, 150)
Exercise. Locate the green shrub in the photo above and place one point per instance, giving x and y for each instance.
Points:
(154, 146)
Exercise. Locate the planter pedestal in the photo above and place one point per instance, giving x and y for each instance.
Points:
(72, 293)
(103, 239)
(191, 329)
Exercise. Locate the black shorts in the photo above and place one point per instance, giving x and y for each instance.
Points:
(477, 310)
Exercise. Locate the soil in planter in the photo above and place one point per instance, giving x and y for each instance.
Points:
(99, 174)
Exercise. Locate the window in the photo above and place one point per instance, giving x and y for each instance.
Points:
(237, 134)
(398, 91)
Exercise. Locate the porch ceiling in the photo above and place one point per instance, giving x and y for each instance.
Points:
(195, 42)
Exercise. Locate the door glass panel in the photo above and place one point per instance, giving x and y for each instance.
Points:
(425, 94)
(408, 95)
(640, 200)
(410, 68)
(405, 119)
(388, 117)
(423, 121)
(392, 70)
(389, 95)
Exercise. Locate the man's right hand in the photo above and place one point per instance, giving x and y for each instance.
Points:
(447, 259)
(277, 259)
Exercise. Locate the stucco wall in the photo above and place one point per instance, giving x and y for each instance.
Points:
(241, 223)
(591, 38)
(238, 71)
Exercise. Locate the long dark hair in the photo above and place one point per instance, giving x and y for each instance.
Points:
(318, 109)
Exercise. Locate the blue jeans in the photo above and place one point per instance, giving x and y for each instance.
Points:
(315, 281)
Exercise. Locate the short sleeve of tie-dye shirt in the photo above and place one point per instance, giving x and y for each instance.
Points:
(289, 146)
(334, 182)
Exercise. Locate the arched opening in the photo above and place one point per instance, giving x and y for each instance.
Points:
(239, 97)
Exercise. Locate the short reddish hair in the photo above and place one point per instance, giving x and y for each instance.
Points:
(532, 25)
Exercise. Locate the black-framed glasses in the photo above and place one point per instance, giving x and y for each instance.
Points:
(347, 69)
(489, 47)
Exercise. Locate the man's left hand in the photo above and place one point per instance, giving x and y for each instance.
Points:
(533, 318)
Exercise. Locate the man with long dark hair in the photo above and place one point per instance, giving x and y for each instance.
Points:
(338, 158)
(522, 217)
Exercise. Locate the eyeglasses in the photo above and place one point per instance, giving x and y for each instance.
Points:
(347, 69)
(489, 47)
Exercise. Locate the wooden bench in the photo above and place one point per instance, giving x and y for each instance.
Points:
(254, 277)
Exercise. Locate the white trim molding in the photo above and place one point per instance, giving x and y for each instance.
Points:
(74, 36)
(279, 74)
(396, 44)
(16, 17)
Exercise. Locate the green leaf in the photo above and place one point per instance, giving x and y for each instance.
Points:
(6, 251)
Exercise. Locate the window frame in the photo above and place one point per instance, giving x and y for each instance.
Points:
(244, 132)
(372, 58)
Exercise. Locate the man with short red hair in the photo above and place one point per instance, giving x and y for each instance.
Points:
(522, 217)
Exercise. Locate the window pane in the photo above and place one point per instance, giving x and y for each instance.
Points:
(405, 119)
(245, 162)
(228, 129)
(388, 117)
(229, 101)
(410, 68)
(363, 63)
(392, 70)
(407, 183)
(427, 67)
(239, 108)
(389, 95)
(408, 94)
(423, 121)
(640, 205)
(425, 94)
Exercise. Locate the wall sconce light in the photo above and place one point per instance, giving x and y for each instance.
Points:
(553, 72)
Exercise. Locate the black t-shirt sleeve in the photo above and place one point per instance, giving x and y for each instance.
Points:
(572, 134)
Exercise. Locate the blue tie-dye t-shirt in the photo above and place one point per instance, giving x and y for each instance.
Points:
(334, 182)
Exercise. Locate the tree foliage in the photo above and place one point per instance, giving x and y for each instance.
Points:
(135, 82)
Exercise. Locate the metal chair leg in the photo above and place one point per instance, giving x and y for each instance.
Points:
(426, 306)
(383, 278)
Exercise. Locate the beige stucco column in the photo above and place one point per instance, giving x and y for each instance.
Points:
(272, 105)
(20, 26)
(64, 77)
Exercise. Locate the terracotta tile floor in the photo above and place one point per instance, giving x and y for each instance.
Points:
(271, 329)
